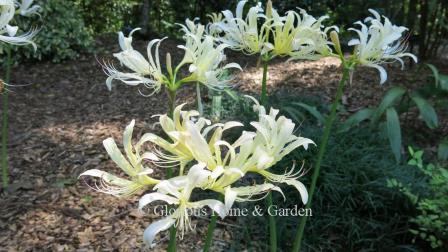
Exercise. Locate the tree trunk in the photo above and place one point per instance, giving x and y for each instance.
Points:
(144, 17)
(422, 46)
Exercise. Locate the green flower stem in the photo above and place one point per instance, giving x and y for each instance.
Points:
(199, 99)
(171, 101)
(4, 162)
(172, 243)
(272, 226)
(169, 172)
(322, 148)
(211, 229)
(264, 91)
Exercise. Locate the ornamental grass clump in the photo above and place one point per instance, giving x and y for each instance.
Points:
(204, 160)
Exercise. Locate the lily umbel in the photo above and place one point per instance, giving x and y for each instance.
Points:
(269, 34)
(8, 32)
(203, 59)
(378, 43)
(207, 162)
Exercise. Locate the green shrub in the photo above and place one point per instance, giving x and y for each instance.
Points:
(431, 223)
(63, 34)
(106, 16)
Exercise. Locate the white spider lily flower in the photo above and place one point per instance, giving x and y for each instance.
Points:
(379, 43)
(205, 59)
(243, 34)
(275, 139)
(132, 165)
(8, 34)
(146, 72)
(188, 142)
(300, 36)
(206, 62)
(174, 152)
(26, 8)
(178, 191)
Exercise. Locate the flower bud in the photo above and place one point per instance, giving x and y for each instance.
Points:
(335, 39)
(269, 9)
(168, 64)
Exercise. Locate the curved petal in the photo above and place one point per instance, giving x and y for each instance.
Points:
(300, 187)
(116, 155)
(155, 228)
(215, 205)
(151, 197)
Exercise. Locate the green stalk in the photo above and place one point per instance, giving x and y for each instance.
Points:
(5, 169)
(172, 243)
(199, 99)
(272, 226)
(211, 229)
(322, 149)
(171, 101)
(264, 91)
(169, 172)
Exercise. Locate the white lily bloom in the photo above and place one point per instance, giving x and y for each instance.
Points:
(243, 34)
(132, 166)
(178, 191)
(206, 62)
(274, 140)
(26, 8)
(205, 59)
(299, 35)
(8, 33)
(188, 136)
(379, 43)
(149, 73)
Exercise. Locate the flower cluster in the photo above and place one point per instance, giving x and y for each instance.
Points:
(8, 33)
(214, 164)
(297, 35)
(379, 43)
(203, 58)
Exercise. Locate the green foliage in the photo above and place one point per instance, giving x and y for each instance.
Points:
(388, 101)
(440, 80)
(397, 101)
(63, 34)
(394, 132)
(431, 223)
(107, 16)
(442, 153)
